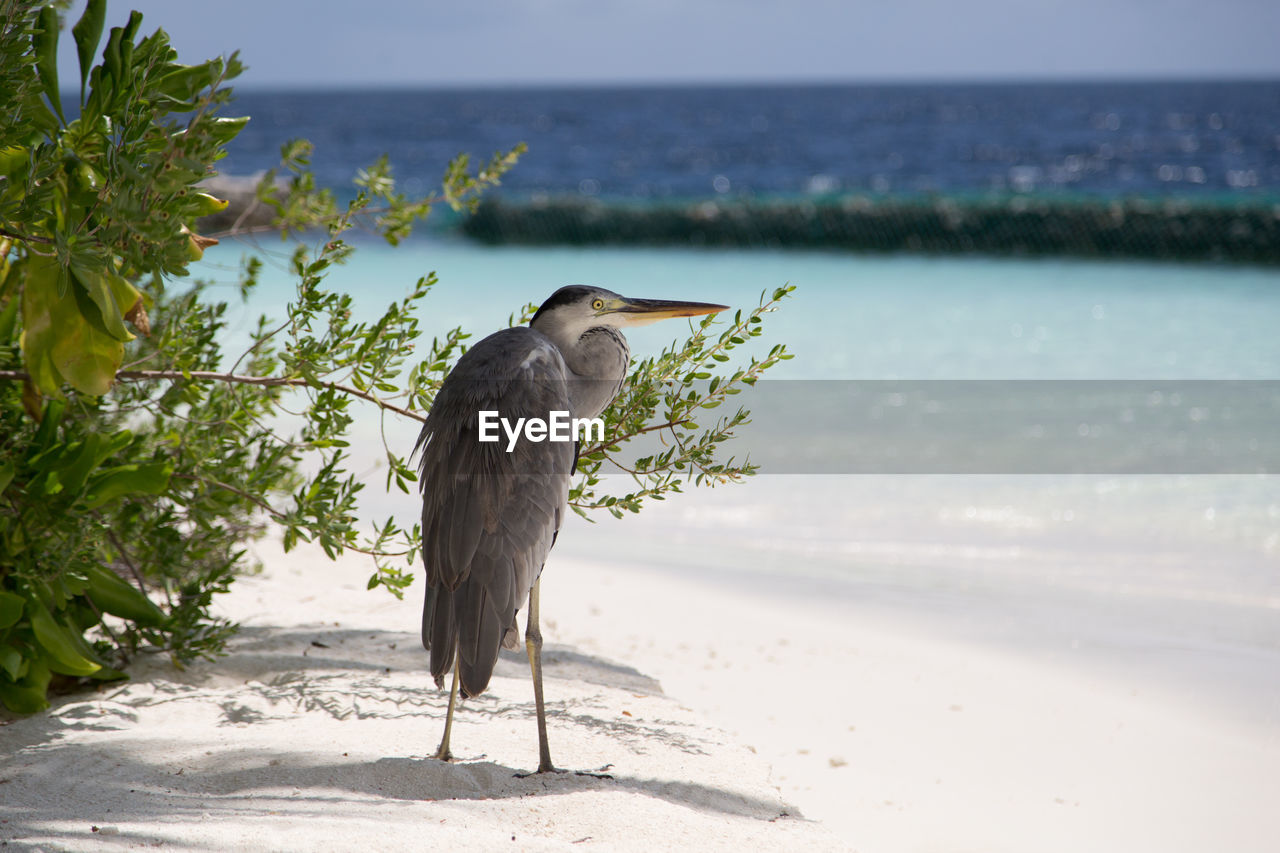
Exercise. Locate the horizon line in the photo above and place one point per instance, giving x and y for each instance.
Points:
(250, 85)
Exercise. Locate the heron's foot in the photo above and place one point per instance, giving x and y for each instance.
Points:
(547, 768)
(443, 754)
(553, 769)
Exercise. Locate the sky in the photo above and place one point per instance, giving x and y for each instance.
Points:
(323, 43)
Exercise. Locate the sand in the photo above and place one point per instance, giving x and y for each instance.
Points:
(898, 740)
(762, 714)
(315, 733)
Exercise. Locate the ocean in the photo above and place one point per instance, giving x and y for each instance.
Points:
(1188, 139)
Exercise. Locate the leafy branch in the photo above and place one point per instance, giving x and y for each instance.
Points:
(674, 388)
(213, 376)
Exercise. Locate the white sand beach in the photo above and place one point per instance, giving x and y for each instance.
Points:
(315, 734)
(730, 714)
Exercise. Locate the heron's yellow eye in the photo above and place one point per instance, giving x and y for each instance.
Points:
(597, 304)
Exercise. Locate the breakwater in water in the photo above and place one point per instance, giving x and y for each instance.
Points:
(1164, 229)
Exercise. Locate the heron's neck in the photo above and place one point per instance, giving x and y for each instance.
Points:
(599, 361)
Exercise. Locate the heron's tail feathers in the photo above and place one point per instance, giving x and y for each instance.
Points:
(479, 639)
(477, 648)
(439, 631)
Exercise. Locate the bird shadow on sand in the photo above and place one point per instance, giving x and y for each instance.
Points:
(272, 675)
(138, 789)
(264, 652)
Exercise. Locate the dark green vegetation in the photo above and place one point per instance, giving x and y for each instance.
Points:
(136, 457)
(1131, 228)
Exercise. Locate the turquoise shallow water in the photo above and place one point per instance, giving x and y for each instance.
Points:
(870, 317)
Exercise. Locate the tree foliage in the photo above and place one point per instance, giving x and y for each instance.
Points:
(137, 459)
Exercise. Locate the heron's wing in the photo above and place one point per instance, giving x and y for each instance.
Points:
(489, 516)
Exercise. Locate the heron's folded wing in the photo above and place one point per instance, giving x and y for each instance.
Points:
(490, 515)
(468, 486)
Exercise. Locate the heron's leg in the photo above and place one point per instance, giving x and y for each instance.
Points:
(443, 753)
(533, 644)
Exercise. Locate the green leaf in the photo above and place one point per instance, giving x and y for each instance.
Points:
(185, 82)
(95, 448)
(206, 204)
(11, 661)
(52, 484)
(88, 32)
(111, 61)
(10, 609)
(152, 479)
(22, 698)
(112, 594)
(8, 316)
(130, 32)
(58, 343)
(225, 129)
(44, 42)
(110, 314)
(58, 644)
(39, 300)
(109, 674)
(49, 421)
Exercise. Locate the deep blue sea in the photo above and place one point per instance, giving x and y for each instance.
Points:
(1198, 139)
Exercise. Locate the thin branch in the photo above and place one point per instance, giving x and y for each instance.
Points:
(347, 546)
(133, 569)
(239, 379)
(640, 495)
(254, 499)
(236, 229)
(141, 360)
(102, 623)
(617, 439)
(26, 238)
(281, 517)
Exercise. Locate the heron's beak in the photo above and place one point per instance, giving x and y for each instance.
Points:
(640, 311)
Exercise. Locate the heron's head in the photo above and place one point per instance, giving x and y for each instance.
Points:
(572, 310)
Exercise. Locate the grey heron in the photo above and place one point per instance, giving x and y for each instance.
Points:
(490, 511)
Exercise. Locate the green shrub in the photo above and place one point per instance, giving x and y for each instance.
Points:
(134, 463)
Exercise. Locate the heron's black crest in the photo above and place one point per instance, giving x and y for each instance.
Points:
(564, 296)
